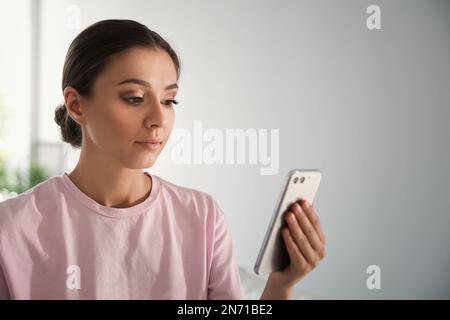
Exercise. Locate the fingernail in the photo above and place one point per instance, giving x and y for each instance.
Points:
(307, 204)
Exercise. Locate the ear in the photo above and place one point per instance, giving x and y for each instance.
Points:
(73, 102)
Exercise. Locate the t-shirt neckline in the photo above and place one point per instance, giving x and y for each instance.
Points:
(85, 200)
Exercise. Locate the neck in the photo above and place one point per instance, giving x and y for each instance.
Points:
(109, 184)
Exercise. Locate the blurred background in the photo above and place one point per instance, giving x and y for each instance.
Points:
(368, 107)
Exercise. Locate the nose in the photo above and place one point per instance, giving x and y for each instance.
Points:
(156, 116)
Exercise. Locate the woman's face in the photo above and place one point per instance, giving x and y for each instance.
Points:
(130, 102)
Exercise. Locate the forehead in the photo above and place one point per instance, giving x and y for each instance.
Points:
(152, 65)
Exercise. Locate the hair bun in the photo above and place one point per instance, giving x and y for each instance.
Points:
(70, 130)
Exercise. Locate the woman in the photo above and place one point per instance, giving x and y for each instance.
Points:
(108, 230)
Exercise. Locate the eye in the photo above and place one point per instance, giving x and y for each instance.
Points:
(138, 100)
(170, 102)
(134, 100)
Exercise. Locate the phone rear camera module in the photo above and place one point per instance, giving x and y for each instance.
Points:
(302, 179)
(295, 179)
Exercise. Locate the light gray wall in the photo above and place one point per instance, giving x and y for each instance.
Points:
(368, 108)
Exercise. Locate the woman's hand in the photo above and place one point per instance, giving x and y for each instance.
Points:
(305, 244)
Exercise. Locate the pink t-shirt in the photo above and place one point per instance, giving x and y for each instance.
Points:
(58, 243)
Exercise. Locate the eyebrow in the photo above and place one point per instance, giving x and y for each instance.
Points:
(146, 84)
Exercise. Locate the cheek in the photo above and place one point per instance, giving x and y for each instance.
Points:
(114, 127)
(125, 128)
(170, 119)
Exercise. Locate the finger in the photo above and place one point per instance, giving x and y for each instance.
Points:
(300, 239)
(308, 229)
(292, 249)
(313, 218)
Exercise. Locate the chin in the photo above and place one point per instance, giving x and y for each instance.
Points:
(140, 163)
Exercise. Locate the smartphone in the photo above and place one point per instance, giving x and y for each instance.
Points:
(298, 185)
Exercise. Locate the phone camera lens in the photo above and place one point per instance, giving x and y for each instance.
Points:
(302, 179)
(295, 179)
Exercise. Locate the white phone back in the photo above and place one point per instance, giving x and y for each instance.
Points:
(273, 255)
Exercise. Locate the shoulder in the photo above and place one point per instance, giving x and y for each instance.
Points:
(183, 193)
(190, 198)
(23, 207)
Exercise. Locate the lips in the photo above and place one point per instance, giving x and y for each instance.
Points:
(150, 141)
(153, 144)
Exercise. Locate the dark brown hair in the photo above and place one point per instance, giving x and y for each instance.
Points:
(88, 55)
